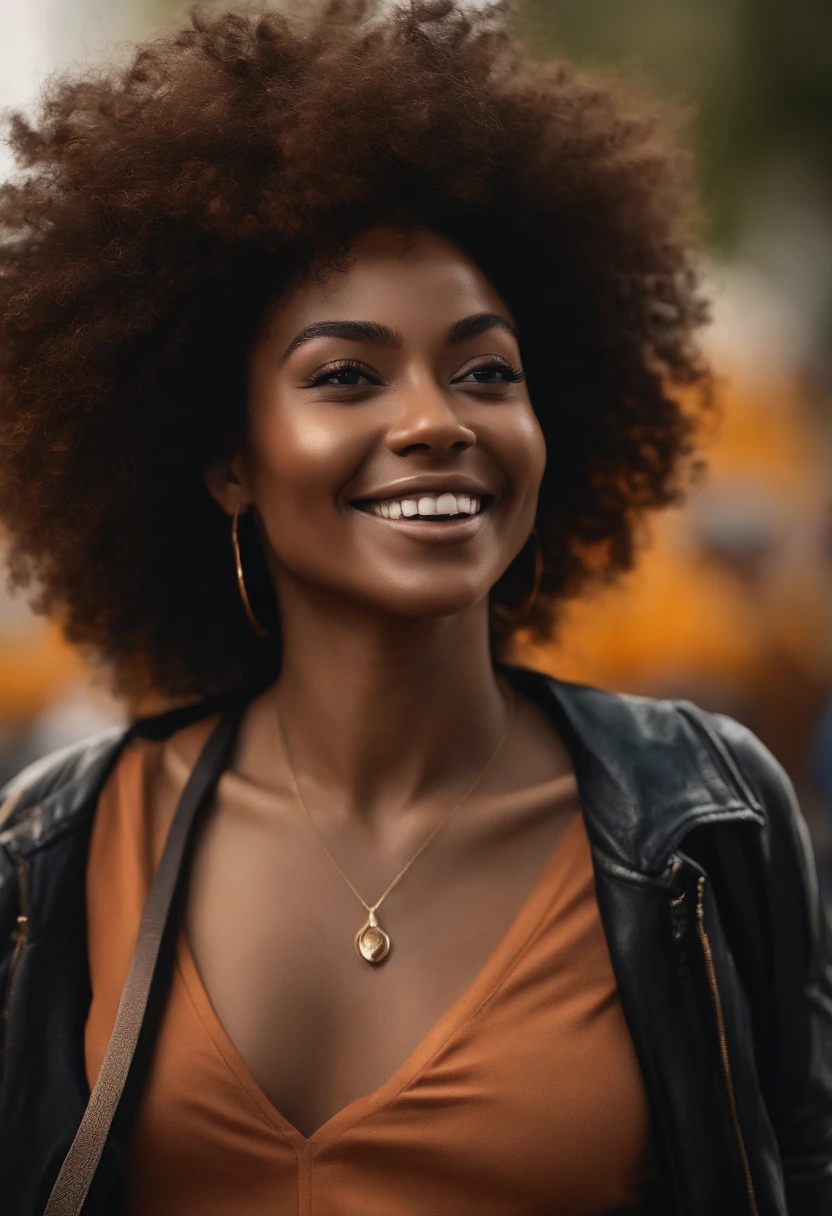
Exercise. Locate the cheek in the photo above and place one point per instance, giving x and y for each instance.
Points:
(300, 460)
(534, 447)
(521, 450)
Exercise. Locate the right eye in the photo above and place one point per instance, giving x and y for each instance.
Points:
(346, 373)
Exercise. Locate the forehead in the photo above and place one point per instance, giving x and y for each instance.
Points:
(408, 282)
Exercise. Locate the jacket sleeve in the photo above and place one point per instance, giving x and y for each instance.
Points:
(799, 961)
(9, 911)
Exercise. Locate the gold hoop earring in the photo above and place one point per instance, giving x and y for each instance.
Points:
(514, 616)
(241, 582)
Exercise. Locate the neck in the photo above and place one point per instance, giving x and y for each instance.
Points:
(386, 711)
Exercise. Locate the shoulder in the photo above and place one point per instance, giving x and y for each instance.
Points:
(628, 726)
(57, 772)
(786, 839)
(633, 739)
(653, 769)
(55, 790)
(652, 730)
(754, 766)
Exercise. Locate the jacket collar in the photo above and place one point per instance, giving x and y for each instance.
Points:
(646, 773)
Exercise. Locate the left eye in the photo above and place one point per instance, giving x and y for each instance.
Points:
(495, 372)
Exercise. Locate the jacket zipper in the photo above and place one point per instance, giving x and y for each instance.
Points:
(723, 1040)
(20, 935)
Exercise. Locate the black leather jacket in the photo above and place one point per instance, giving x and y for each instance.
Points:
(708, 895)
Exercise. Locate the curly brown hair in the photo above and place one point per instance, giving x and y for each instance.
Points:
(159, 211)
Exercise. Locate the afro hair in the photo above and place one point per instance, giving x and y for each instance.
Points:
(159, 210)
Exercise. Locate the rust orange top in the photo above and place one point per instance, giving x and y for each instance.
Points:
(524, 1098)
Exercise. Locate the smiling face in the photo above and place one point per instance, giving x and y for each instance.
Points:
(393, 456)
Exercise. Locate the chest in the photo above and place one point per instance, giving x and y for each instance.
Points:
(271, 925)
(491, 1069)
(486, 1055)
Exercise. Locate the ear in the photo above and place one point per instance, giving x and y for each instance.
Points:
(225, 481)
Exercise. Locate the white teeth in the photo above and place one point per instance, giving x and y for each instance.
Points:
(446, 505)
(427, 505)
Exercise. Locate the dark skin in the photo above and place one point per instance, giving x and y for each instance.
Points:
(388, 695)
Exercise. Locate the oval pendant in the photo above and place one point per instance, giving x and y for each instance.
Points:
(371, 942)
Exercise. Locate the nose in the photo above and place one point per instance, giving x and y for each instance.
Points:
(427, 422)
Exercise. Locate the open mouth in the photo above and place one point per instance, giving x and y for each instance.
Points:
(433, 508)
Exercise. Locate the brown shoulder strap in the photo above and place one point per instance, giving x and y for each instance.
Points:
(81, 1162)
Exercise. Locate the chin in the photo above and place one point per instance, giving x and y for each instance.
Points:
(427, 605)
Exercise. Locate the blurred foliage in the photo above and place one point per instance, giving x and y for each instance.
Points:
(757, 74)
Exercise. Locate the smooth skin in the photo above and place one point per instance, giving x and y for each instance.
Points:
(388, 695)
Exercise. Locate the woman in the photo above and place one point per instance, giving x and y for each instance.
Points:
(336, 349)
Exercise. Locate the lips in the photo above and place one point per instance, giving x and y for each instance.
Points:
(438, 506)
(426, 484)
(426, 529)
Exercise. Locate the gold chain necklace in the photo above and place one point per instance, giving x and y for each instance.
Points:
(371, 941)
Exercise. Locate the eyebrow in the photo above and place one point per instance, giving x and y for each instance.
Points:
(376, 334)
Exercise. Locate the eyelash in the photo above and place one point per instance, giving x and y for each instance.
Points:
(513, 375)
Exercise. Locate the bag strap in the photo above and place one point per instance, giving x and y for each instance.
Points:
(81, 1162)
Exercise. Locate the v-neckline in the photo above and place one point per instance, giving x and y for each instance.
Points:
(503, 957)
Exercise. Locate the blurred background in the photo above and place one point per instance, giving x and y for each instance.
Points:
(731, 604)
